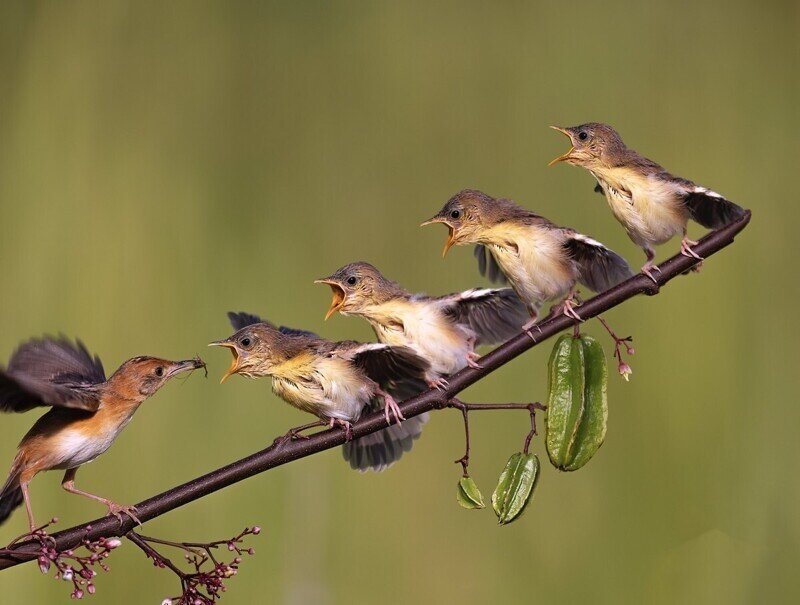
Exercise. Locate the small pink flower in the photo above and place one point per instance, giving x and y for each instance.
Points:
(625, 370)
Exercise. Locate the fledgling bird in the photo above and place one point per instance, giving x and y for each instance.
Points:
(334, 381)
(443, 329)
(542, 261)
(88, 411)
(652, 204)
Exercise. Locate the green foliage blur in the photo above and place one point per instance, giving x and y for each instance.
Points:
(163, 163)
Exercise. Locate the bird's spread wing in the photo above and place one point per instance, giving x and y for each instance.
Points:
(600, 268)
(495, 315)
(386, 364)
(51, 371)
(487, 265)
(241, 319)
(709, 208)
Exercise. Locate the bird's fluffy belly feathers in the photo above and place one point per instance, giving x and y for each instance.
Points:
(534, 260)
(650, 208)
(422, 326)
(328, 387)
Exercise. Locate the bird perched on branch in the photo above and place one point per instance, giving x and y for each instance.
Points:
(542, 261)
(88, 411)
(443, 329)
(334, 381)
(652, 204)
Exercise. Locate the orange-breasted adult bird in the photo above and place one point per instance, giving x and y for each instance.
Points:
(652, 204)
(88, 411)
(542, 261)
(443, 329)
(334, 381)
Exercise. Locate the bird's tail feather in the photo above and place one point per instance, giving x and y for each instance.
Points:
(10, 495)
(710, 209)
(378, 451)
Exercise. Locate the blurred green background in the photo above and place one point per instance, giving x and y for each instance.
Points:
(161, 164)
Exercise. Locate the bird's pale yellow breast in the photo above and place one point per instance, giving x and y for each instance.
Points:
(649, 207)
(534, 260)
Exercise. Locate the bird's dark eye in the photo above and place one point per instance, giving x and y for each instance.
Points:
(159, 371)
(246, 341)
(352, 280)
(455, 213)
(583, 135)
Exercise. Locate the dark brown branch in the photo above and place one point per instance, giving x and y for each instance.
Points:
(283, 451)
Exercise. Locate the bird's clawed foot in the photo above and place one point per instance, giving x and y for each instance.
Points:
(472, 360)
(346, 426)
(123, 509)
(390, 405)
(686, 248)
(568, 308)
(37, 533)
(648, 268)
(439, 383)
(529, 325)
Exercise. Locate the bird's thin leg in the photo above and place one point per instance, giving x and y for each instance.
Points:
(531, 323)
(68, 483)
(23, 486)
(390, 405)
(297, 432)
(650, 266)
(472, 356)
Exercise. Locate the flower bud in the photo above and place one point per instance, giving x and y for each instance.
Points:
(113, 543)
(44, 564)
(625, 370)
(256, 530)
(66, 575)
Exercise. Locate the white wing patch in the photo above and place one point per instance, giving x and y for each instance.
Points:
(477, 293)
(588, 240)
(708, 192)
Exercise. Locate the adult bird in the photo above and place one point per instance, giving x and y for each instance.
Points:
(88, 411)
(652, 204)
(541, 261)
(334, 381)
(443, 329)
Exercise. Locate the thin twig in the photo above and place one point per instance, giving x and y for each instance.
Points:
(427, 401)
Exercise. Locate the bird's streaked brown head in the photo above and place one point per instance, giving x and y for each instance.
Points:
(464, 214)
(140, 377)
(357, 286)
(593, 144)
(255, 348)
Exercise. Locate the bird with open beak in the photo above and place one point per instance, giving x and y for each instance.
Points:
(540, 260)
(443, 329)
(652, 204)
(334, 381)
(88, 411)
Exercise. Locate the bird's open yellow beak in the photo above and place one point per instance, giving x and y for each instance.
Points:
(451, 238)
(338, 296)
(234, 364)
(567, 155)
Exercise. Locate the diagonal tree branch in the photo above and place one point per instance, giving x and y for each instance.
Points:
(285, 450)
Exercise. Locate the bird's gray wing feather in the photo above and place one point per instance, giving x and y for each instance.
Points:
(51, 371)
(599, 267)
(495, 315)
(487, 265)
(387, 364)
